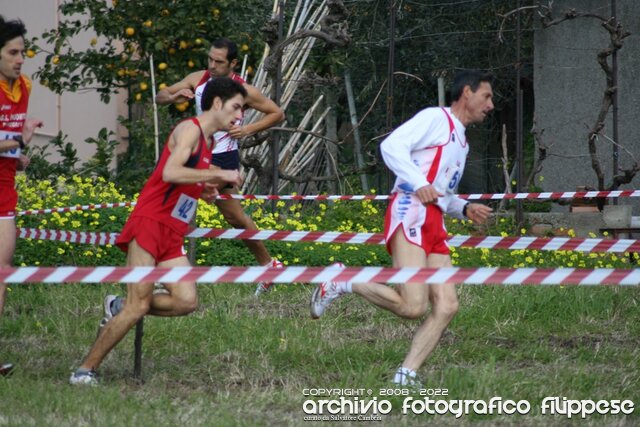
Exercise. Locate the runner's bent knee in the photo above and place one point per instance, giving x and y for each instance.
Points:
(412, 311)
(445, 305)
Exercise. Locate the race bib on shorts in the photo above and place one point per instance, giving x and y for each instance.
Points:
(185, 208)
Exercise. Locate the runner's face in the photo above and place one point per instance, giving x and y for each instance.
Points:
(480, 102)
(11, 59)
(219, 65)
(231, 112)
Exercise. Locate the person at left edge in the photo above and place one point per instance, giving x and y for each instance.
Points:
(16, 132)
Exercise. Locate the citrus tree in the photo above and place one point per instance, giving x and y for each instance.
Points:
(127, 33)
(105, 46)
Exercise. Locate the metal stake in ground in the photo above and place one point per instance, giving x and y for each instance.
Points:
(137, 354)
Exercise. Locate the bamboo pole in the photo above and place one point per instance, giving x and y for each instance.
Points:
(296, 152)
(155, 109)
(357, 146)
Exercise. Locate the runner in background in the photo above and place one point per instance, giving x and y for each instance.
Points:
(222, 60)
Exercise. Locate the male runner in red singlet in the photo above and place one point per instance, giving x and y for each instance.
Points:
(154, 233)
(427, 154)
(16, 132)
(223, 58)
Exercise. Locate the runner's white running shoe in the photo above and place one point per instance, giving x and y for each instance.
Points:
(404, 379)
(324, 294)
(264, 287)
(84, 378)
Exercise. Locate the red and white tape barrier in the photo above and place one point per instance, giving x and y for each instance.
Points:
(75, 208)
(554, 195)
(469, 276)
(490, 196)
(80, 237)
(488, 242)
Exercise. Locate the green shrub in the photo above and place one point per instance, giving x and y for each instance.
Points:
(65, 192)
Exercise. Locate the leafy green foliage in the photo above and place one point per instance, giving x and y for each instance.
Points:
(130, 32)
(40, 167)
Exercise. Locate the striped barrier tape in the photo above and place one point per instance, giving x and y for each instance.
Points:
(490, 196)
(77, 208)
(79, 237)
(468, 276)
(487, 242)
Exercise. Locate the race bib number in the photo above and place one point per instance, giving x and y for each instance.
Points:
(185, 208)
(15, 153)
(449, 180)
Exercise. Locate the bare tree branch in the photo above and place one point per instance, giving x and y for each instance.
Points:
(543, 153)
(616, 36)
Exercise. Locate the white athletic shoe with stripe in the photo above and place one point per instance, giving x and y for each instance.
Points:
(324, 294)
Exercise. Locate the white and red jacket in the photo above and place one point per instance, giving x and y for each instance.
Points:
(222, 140)
(430, 148)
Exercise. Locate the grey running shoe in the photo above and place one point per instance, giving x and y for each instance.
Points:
(108, 312)
(324, 294)
(264, 287)
(159, 288)
(84, 377)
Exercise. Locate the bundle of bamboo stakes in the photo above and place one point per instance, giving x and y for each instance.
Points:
(297, 150)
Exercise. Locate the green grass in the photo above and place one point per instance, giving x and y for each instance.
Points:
(242, 361)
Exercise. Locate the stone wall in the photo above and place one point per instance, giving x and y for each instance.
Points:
(569, 85)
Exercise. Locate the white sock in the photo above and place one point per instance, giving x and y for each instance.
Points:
(402, 374)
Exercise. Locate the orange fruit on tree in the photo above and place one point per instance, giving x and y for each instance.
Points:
(144, 86)
(162, 66)
(129, 31)
(182, 106)
(55, 59)
(30, 53)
